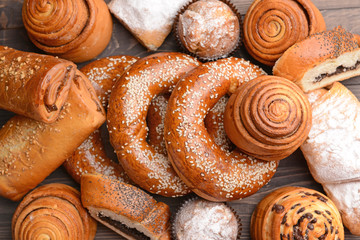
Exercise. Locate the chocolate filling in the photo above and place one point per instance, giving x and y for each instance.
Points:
(339, 69)
(123, 228)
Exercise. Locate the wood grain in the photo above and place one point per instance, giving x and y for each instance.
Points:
(292, 170)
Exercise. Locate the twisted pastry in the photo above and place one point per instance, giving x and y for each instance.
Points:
(53, 211)
(268, 118)
(90, 156)
(76, 30)
(210, 171)
(129, 102)
(34, 85)
(272, 26)
(31, 150)
(296, 213)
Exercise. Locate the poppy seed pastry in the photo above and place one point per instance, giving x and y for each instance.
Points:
(320, 59)
(209, 29)
(202, 219)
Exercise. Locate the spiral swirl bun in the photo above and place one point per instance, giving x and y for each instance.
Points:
(272, 26)
(69, 29)
(269, 118)
(296, 213)
(52, 211)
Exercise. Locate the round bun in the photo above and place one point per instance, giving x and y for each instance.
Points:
(320, 60)
(272, 26)
(201, 219)
(296, 213)
(129, 102)
(209, 170)
(268, 118)
(52, 211)
(209, 29)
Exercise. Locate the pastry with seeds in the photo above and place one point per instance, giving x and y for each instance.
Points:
(34, 85)
(321, 59)
(272, 26)
(32, 150)
(296, 213)
(52, 211)
(208, 29)
(207, 169)
(125, 209)
(129, 102)
(76, 30)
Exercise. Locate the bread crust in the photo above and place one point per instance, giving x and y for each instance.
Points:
(129, 102)
(322, 53)
(208, 170)
(123, 201)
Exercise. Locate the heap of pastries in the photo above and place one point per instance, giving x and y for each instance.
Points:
(169, 117)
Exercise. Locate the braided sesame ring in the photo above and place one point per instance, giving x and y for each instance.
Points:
(128, 106)
(211, 172)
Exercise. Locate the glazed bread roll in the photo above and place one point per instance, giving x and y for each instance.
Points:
(207, 169)
(320, 60)
(296, 213)
(268, 118)
(332, 149)
(31, 150)
(76, 30)
(149, 21)
(52, 211)
(90, 156)
(129, 102)
(272, 26)
(125, 209)
(34, 85)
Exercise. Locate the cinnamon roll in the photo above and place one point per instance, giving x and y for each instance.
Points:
(268, 118)
(272, 26)
(77, 30)
(296, 213)
(53, 211)
(34, 85)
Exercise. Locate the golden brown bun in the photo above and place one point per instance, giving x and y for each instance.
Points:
(128, 105)
(76, 30)
(209, 29)
(296, 213)
(124, 203)
(208, 170)
(320, 60)
(149, 21)
(268, 118)
(31, 150)
(52, 211)
(272, 26)
(34, 85)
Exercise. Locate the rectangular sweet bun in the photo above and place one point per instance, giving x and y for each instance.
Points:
(31, 150)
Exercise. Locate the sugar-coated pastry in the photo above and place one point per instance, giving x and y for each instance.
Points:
(272, 26)
(296, 213)
(32, 150)
(129, 102)
(207, 169)
(76, 30)
(202, 219)
(209, 29)
(125, 209)
(320, 59)
(52, 211)
(332, 149)
(268, 117)
(34, 85)
(149, 21)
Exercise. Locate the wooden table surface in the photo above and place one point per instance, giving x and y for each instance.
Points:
(292, 170)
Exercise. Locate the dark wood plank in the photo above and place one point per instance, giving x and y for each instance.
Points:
(292, 170)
